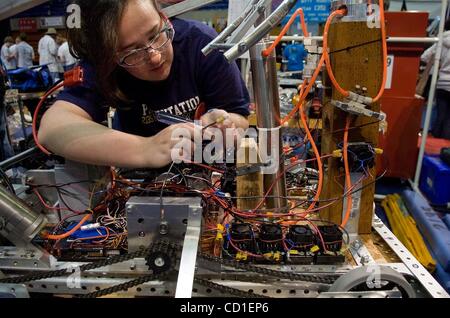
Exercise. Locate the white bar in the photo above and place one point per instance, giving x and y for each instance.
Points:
(289, 38)
(431, 95)
(188, 260)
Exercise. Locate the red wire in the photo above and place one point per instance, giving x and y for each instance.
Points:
(41, 199)
(35, 117)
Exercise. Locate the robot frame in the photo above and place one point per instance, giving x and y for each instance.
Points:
(179, 232)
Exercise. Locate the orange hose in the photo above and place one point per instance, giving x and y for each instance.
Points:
(385, 52)
(384, 47)
(327, 56)
(69, 233)
(305, 93)
(319, 159)
(298, 12)
(35, 117)
(348, 179)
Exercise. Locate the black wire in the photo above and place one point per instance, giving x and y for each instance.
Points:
(346, 194)
(355, 46)
(61, 185)
(182, 175)
(351, 128)
(162, 189)
(63, 201)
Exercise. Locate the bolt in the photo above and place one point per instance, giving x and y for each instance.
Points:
(159, 262)
(163, 228)
(356, 244)
(365, 259)
(141, 234)
(242, 47)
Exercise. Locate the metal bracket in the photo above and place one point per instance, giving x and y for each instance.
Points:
(13, 291)
(422, 275)
(360, 253)
(356, 108)
(189, 254)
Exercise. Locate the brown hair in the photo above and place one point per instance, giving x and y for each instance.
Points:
(9, 39)
(97, 42)
(23, 36)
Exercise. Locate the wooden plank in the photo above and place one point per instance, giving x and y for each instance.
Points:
(250, 185)
(356, 58)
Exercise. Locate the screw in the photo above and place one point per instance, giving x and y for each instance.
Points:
(141, 234)
(242, 47)
(133, 267)
(159, 262)
(163, 228)
(365, 259)
(356, 244)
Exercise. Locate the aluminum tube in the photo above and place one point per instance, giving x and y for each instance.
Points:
(229, 29)
(8, 163)
(18, 217)
(290, 38)
(437, 60)
(261, 31)
(265, 90)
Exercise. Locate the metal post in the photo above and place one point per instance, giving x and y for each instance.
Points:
(265, 90)
(8, 163)
(434, 78)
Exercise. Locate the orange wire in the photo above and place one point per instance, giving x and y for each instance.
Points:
(35, 117)
(385, 52)
(69, 233)
(384, 47)
(298, 12)
(348, 179)
(308, 89)
(319, 159)
(327, 56)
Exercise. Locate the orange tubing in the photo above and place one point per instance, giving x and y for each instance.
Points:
(306, 91)
(348, 179)
(319, 159)
(385, 52)
(35, 117)
(327, 56)
(298, 12)
(384, 47)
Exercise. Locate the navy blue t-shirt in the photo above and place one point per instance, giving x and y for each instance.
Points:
(194, 79)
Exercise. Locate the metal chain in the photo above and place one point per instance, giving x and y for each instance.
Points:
(90, 266)
(330, 279)
(167, 246)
